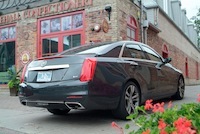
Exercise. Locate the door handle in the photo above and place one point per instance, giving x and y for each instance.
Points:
(133, 64)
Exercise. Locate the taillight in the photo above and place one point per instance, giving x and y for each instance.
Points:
(88, 69)
(23, 73)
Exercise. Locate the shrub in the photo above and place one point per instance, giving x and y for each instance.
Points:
(14, 78)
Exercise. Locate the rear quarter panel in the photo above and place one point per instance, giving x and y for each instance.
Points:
(111, 76)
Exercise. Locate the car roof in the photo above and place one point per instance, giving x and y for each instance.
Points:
(111, 45)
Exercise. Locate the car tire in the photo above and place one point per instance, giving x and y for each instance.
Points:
(180, 89)
(129, 100)
(59, 111)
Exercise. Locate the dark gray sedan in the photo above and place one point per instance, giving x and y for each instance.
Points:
(118, 76)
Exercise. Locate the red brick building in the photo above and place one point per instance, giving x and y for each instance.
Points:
(43, 28)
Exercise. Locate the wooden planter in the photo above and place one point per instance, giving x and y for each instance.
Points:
(13, 92)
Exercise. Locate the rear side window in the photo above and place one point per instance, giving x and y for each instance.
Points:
(133, 51)
(113, 52)
(151, 54)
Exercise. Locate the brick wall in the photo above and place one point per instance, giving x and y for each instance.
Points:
(118, 21)
(126, 8)
(179, 48)
(26, 40)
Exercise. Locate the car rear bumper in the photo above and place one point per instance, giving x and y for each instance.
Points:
(60, 95)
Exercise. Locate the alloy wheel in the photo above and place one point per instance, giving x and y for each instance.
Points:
(131, 98)
(181, 87)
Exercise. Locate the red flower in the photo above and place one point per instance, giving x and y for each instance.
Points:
(158, 107)
(148, 105)
(190, 131)
(183, 126)
(161, 124)
(163, 132)
(114, 125)
(146, 132)
(198, 99)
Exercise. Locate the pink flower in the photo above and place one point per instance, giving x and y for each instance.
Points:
(148, 105)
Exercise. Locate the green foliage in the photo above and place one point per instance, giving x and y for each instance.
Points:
(197, 22)
(14, 78)
(197, 25)
(169, 121)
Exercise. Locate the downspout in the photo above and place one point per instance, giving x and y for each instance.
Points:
(141, 21)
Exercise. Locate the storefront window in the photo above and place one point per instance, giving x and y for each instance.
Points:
(77, 21)
(7, 33)
(66, 23)
(60, 33)
(55, 25)
(7, 51)
(45, 27)
(71, 41)
(49, 46)
(7, 60)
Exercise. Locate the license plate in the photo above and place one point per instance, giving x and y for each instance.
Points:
(44, 76)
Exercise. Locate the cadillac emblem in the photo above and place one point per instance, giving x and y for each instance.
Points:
(43, 63)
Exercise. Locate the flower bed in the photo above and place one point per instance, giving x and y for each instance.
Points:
(173, 120)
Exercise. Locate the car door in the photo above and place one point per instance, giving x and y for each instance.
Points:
(171, 78)
(163, 85)
(144, 72)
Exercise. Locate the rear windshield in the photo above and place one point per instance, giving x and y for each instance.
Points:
(87, 49)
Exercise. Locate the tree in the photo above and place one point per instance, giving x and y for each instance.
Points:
(197, 26)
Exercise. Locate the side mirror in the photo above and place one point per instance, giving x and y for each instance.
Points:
(167, 60)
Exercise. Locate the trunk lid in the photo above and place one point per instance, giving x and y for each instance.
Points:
(52, 69)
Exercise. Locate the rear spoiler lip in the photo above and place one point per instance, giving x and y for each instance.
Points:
(50, 57)
(62, 56)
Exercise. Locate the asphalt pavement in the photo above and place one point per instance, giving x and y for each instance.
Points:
(18, 119)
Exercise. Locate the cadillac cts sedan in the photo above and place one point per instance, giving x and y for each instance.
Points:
(117, 76)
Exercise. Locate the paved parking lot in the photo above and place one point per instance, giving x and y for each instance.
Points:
(18, 119)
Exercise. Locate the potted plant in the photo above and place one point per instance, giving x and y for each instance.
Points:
(14, 81)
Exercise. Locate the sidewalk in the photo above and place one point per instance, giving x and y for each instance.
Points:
(9, 102)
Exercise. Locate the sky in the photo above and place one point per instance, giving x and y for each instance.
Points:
(191, 7)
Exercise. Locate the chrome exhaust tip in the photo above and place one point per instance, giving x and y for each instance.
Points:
(74, 105)
(24, 102)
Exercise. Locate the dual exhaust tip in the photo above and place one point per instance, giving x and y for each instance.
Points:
(74, 105)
